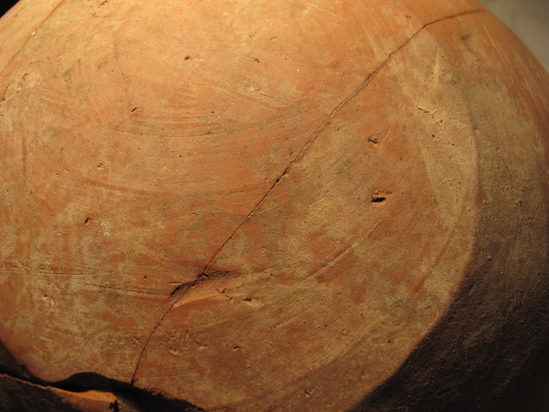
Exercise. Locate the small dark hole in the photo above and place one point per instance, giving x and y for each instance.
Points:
(88, 219)
(187, 57)
(378, 199)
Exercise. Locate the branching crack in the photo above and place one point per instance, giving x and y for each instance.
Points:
(175, 296)
(178, 293)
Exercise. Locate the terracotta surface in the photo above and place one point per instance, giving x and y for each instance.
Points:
(273, 206)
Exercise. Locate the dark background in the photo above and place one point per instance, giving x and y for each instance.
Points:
(5, 5)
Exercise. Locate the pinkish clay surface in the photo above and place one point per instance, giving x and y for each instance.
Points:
(259, 206)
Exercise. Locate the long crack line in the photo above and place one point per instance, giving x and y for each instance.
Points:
(176, 296)
(180, 291)
(325, 124)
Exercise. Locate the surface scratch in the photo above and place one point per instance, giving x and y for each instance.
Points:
(127, 291)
